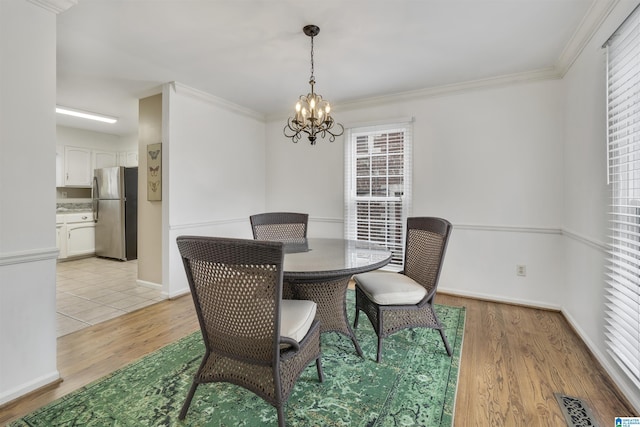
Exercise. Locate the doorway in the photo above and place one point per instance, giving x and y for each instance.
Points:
(92, 290)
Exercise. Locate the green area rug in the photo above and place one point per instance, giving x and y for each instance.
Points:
(414, 385)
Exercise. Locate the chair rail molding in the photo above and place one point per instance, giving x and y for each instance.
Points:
(595, 244)
(205, 224)
(508, 228)
(326, 219)
(10, 258)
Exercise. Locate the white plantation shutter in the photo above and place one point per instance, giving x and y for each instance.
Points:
(378, 185)
(623, 269)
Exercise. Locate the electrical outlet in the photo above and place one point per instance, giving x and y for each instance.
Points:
(521, 270)
(64, 194)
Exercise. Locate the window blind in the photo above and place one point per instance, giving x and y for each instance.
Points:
(378, 185)
(622, 312)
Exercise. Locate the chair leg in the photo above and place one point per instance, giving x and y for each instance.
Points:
(319, 368)
(379, 356)
(446, 343)
(357, 317)
(281, 420)
(187, 402)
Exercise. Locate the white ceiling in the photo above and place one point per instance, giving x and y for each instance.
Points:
(253, 52)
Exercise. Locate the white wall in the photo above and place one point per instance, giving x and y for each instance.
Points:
(215, 169)
(95, 140)
(520, 170)
(27, 198)
(489, 160)
(586, 196)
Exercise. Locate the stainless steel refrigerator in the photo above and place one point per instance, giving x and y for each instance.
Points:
(115, 211)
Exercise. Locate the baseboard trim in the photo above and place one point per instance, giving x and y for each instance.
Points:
(152, 285)
(179, 293)
(618, 380)
(492, 298)
(31, 387)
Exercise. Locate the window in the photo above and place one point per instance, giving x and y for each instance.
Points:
(623, 267)
(378, 185)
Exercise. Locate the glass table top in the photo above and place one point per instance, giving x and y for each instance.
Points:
(332, 257)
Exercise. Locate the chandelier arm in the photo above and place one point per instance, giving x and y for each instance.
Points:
(295, 135)
(341, 130)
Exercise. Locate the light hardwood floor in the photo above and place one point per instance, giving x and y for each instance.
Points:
(513, 361)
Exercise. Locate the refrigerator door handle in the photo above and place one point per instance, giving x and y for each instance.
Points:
(96, 201)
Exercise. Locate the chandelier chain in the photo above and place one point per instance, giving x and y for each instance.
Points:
(312, 68)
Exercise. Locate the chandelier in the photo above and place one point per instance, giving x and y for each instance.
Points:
(313, 114)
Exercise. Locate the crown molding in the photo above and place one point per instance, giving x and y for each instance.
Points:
(591, 22)
(55, 6)
(550, 73)
(598, 11)
(543, 74)
(214, 100)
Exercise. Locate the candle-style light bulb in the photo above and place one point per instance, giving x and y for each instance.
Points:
(298, 106)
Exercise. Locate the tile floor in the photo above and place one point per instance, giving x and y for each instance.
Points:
(92, 290)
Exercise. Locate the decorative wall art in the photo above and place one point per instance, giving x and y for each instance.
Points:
(154, 171)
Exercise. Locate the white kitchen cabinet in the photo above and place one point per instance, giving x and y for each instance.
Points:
(128, 159)
(59, 166)
(104, 159)
(77, 167)
(75, 234)
(81, 239)
(61, 240)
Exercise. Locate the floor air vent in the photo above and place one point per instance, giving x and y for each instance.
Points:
(575, 411)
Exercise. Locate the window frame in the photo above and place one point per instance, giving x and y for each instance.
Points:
(622, 269)
(394, 230)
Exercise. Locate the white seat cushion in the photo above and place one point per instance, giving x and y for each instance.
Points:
(296, 317)
(387, 288)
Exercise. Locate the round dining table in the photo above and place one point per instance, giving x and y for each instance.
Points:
(319, 269)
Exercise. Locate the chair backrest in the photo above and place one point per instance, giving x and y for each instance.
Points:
(279, 226)
(236, 287)
(426, 244)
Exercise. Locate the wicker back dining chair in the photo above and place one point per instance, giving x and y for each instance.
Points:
(252, 337)
(279, 226)
(393, 301)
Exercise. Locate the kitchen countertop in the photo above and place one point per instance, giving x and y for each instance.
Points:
(74, 206)
(77, 210)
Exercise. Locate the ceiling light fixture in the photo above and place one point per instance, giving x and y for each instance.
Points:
(85, 114)
(313, 114)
